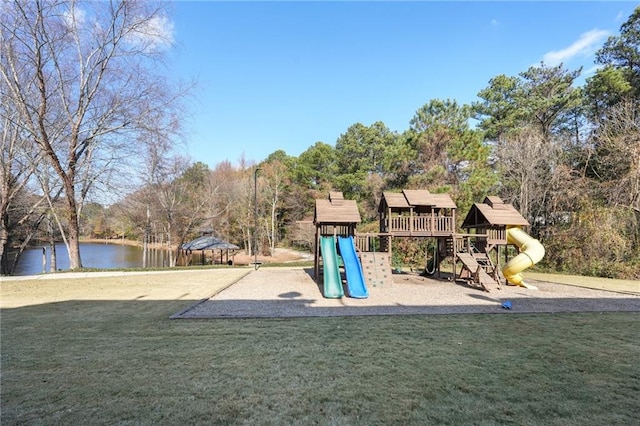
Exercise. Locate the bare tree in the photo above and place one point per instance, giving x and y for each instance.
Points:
(224, 181)
(86, 82)
(182, 192)
(526, 158)
(617, 162)
(239, 202)
(273, 184)
(20, 212)
(219, 182)
(14, 175)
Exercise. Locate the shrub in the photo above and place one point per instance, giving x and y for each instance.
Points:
(597, 241)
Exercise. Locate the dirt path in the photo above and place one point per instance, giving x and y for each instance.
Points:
(292, 292)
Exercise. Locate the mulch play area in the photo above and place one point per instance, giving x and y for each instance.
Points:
(292, 292)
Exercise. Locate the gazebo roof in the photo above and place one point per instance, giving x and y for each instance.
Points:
(208, 242)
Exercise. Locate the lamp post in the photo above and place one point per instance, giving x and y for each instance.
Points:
(255, 218)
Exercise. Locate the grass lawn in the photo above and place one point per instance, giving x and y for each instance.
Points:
(103, 351)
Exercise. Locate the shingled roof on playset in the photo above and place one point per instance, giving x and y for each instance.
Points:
(339, 211)
(414, 198)
(495, 212)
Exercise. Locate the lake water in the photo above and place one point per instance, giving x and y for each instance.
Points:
(104, 256)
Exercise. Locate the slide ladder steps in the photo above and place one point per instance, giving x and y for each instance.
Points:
(376, 267)
(477, 265)
(445, 247)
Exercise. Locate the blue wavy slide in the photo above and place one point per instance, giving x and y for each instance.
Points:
(353, 269)
(331, 269)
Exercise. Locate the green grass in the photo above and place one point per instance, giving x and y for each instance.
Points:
(297, 264)
(105, 362)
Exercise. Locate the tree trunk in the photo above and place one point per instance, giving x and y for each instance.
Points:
(145, 243)
(4, 244)
(73, 238)
(53, 266)
(272, 242)
(169, 247)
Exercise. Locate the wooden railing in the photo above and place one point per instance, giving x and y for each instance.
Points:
(460, 244)
(420, 224)
(399, 224)
(373, 242)
(496, 234)
(469, 243)
(444, 224)
(335, 230)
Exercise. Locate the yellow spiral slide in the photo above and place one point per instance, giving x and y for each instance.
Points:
(531, 252)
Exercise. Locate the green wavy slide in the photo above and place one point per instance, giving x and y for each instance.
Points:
(330, 268)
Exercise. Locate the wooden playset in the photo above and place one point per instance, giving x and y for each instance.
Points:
(490, 225)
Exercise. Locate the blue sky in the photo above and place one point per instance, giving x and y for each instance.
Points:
(284, 75)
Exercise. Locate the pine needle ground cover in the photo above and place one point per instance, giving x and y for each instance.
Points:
(75, 360)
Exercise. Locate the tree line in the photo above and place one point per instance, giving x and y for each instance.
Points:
(566, 155)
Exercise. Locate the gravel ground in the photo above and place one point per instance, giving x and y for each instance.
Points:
(292, 292)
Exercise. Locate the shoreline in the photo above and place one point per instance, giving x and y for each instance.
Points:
(124, 242)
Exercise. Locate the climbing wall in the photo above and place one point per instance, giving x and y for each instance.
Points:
(376, 267)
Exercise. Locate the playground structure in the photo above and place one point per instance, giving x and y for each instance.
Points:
(493, 225)
(417, 213)
(490, 225)
(336, 220)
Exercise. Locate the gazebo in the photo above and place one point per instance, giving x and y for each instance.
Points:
(226, 251)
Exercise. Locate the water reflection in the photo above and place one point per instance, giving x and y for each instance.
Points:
(94, 255)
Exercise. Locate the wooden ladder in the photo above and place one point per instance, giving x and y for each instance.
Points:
(476, 268)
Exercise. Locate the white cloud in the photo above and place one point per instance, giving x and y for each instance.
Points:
(74, 17)
(586, 45)
(153, 34)
(591, 71)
